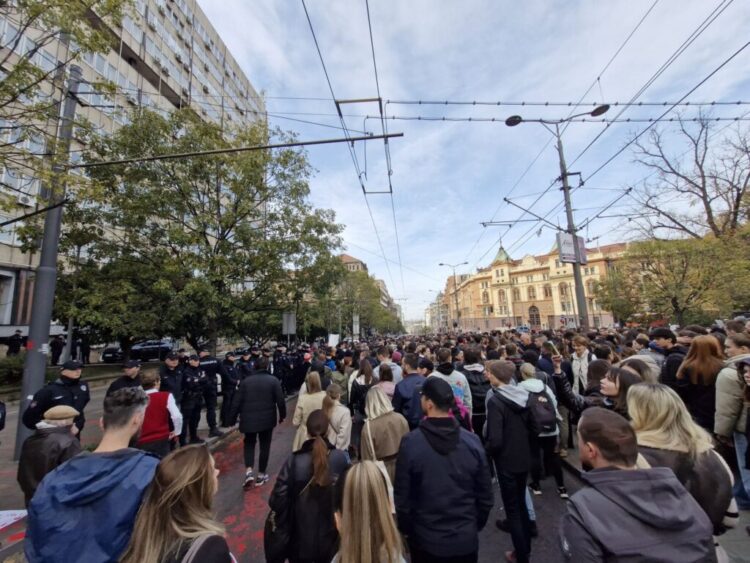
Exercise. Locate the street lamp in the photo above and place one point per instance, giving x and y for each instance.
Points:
(514, 120)
(455, 286)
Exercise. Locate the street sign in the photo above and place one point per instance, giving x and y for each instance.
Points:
(355, 325)
(567, 250)
(289, 324)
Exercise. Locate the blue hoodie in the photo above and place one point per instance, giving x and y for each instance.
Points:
(84, 511)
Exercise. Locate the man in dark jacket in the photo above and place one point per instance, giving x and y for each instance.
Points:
(625, 513)
(85, 509)
(675, 355)
(230, 378)
(509, 432)
(131, 377)
(15, 341)
(443, 491)
(68, 389)
(214, 373)
(52, 444)
(259, 402)
(170, 375)
(193, 382)
(406, 394)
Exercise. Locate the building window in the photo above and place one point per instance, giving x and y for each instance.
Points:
(485, 297)
(516, 294)
(557, 263)
(590, 287)
(487, 311)
(545, 277)
(502, 271)
(547, 291)
(529, 279)
(501, 297)
(531, 292)
(563, 290)
(593, 269)
(514, 280)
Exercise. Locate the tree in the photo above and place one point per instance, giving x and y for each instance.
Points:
(220, 240)
(703, 191)
(615, 293)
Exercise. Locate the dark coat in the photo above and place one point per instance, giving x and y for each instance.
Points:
(406, 398)
(63, 391)
(699, 399)
(443, 491)
(171, 381)
(42, 452)
(123, 382)
(510, 431)
(314, 535)
(675, 356)
(259, 402)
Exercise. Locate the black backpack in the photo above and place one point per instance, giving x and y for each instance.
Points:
(543, 411)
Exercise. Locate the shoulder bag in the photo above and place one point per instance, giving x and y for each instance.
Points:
(382, 468)
(277, 532)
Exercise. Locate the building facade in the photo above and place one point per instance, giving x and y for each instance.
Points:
(537, 291)
(353, 264)
(164, 56)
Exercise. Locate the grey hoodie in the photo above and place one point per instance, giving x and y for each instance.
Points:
(642, 515)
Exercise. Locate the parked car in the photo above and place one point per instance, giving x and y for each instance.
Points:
(151, 350)
(112, 354)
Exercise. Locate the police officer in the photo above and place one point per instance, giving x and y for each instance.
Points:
(131, 377)
(193, 383)
(245, 365)
(230, 379)
(214, 371)
(283, 366)
(170, 373)
(68, 389)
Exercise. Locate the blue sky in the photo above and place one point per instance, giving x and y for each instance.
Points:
(450, 176)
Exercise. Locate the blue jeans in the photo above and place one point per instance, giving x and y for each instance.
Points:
(742, 484)
(530, 506)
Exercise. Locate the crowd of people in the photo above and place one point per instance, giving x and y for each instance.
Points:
(401, 444)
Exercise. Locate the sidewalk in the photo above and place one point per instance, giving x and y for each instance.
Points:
(735, 542)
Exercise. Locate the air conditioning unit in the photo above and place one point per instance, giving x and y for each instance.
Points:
(151, 22)
(131, 99)
(25, 200)
(178, 56)
(186, 65)
(165, 69)
(205, 88)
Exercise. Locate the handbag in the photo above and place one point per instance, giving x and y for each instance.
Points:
(277, 531)
(383, 469)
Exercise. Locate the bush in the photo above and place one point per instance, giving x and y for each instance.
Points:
(11, 370)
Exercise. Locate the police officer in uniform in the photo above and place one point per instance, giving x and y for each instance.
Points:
(283, 365)
(230, 379)
(131, 377)
(214, 374)
(68, 389)
(170, 374)
(245, 366)
(193, 384)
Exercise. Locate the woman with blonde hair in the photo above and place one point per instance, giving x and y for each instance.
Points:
(339, 417)
(175, 522)
(363, 517)
(668, 437)
(307, 403)
(383, 430)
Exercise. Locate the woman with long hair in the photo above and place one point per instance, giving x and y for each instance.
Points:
(306, 404)
(303, 493)
(176, 516)
(385, 380)
(696, 379)
(668, 437)
(383, 430)
(364, 519)
(339, 417)
(615, 387)
(361, 382)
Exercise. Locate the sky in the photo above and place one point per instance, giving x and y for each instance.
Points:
(449, 176)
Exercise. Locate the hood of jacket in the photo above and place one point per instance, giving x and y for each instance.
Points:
(479, 368)
(532, 385)
(653, 496)
(441, 433)
(445, 369)
(732, 362)
(89, 476)
(517, 397)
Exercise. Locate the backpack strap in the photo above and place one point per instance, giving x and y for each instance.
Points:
(192, 553)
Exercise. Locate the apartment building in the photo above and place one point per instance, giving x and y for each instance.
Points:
(537, 291)
(165, 55)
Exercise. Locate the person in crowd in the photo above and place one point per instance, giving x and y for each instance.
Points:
(56, 346)
(214, 373)
(170, 376)
(193, 382)
(93, 499)
(259, 403)
(51, 444)
(455, 379)
(735, 326)
(364, 519)
(68, 389)
(176, 519)
(641, 367)
(695, 381)
(546, 441)
(385, 381)
(306, 404)
(479, 386)
(629, 514)
(595, 373)
(131, 377)
(360, 383)
(383, 431)
(668, 437)
(339, 417)
(340, 378)
(305, 483)
(162, 421)
(230, 379)
(443, 493)
(675, 352)
(15, 342)
(406, 395)
(730, 418)
(615, 389)
(384, 356)
(510, 433)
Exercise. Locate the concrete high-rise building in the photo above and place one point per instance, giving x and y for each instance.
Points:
(165, 55)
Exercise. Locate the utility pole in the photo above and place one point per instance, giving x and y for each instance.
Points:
(455, 288)
(37, 347)
(583, 314)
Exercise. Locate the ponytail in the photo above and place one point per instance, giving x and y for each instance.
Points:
(317, 427)
(333, 394)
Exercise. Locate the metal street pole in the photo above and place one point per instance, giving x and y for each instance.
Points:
(455, 288)
(580, 294)
(37, 347)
